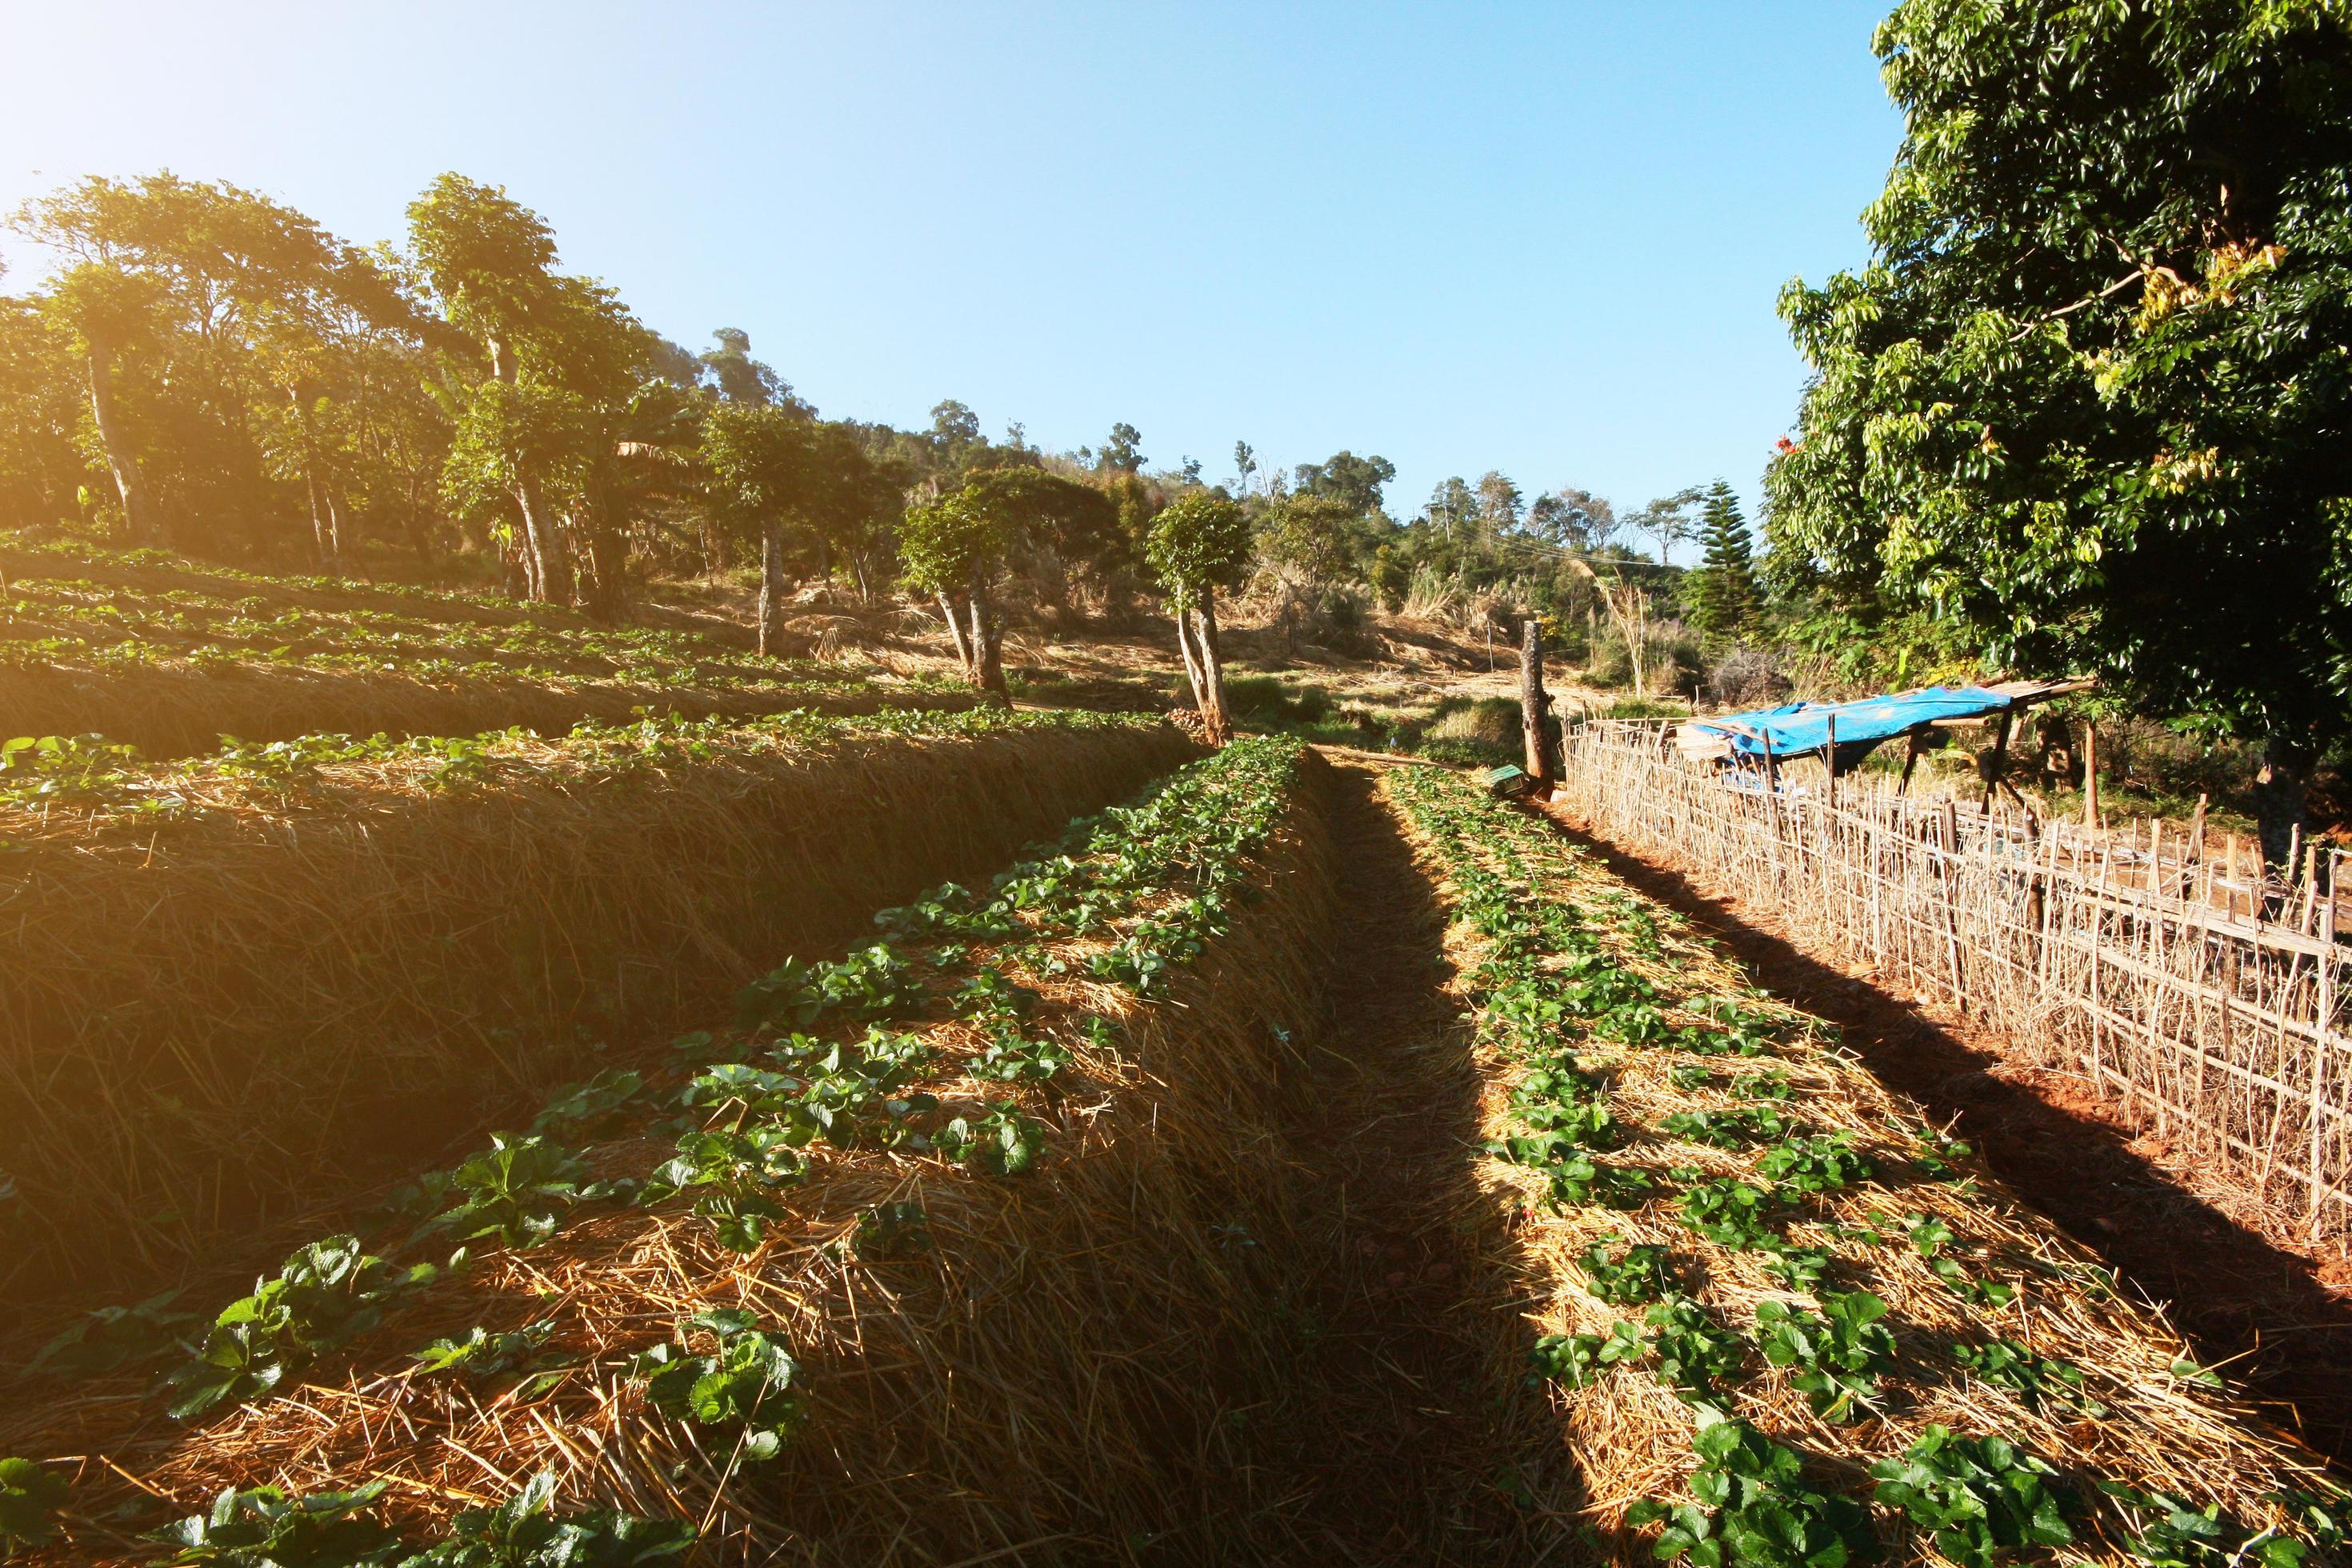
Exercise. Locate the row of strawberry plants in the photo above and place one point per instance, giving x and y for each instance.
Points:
(92, 775)
(870, 1052)
(1708, 1120)
(111, 630)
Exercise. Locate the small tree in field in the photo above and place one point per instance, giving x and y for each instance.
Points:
(954, 548)
(763, 460)
(1201, 543)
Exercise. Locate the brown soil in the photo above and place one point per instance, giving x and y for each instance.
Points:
(2281, 1319)
(1395, 1435)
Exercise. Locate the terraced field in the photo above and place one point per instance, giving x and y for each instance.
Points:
(925, 1136)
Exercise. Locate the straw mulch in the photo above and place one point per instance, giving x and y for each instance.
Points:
(2144, 1416)
(1063, 1373)
(178, 710)
(217, 1026)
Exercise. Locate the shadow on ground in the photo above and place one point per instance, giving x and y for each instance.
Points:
(2240, 1298)
(1406, 1434)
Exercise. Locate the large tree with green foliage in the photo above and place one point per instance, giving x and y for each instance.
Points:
(2092, 396)
(1199, 543)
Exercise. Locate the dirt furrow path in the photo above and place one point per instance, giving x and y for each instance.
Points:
(1397, 1436)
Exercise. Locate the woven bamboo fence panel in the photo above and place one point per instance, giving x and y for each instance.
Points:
(2200, 995)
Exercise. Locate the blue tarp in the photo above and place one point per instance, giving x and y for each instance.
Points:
(1801, 727)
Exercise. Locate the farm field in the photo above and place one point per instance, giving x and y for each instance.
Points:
(631, 936)
(1297, 1161)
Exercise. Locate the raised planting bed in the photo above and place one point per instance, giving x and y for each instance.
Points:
(236, 991)
(957, 1243)
(1780, 1318)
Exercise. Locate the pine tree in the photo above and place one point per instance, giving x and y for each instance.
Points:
(1725, 599)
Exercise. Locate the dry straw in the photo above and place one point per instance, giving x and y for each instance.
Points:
(215, 1027)
(1627, 1436)
(1060, 1376)
(178, 710)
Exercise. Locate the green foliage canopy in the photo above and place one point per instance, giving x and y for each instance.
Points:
(2089, 401)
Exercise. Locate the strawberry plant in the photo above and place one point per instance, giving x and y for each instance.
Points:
(1581, 1179)
(29, 1499)
(1003, 1142)
(591, 1106)
(1836, 1358)
(519, 1190)
(1796, 1267)
(744, 1385)
(1816, 1165)
(1009, 1059)
(873, 983)
(264, 1527)
(891, 1229)
(734, 1177)
(482, 1353)
(1979, 1497)
(1929, 1238)
(1753, 1510)
(1692, 1348)
(2035, 1380)
(525, 1532)
(1731, 1212)
(107, 1339)
(1725, 1129)
(1578, 1360)
(1639, 1276)
(324, 1294)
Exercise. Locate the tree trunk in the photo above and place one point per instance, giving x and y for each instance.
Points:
(550, 567)
(955, 631)
(2281, 792)
(139, 519)
(1212, 672)
(1534, 710)
(771, 588)
(987, 646)
(605, 595)
(1193, 671)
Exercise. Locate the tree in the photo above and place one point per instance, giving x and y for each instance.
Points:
(1120, 448)
(762, 462)
(491, 262)
(1354, 482)
(1573, 520)
(1667, 522)
(1500, 505)
(954, 548)
(740, 377)
(1199, 544)
(1245, 465)
(958, 547)
(221, 335)
(1725, 599)
(106, 311)
(2090, 397)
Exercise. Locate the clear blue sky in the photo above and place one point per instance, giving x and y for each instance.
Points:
(1544, 238)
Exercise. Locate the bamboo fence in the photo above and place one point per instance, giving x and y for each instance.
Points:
(2206, 998)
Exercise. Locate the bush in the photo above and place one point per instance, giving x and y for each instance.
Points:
(1676, 662)
(1748, 678)
(1267, 700)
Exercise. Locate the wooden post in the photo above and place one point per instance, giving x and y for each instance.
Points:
(2090, 773)
(2320, 1184)
(1911, 757)
(1998, 763)
(1533, 709)
(1828, 758)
